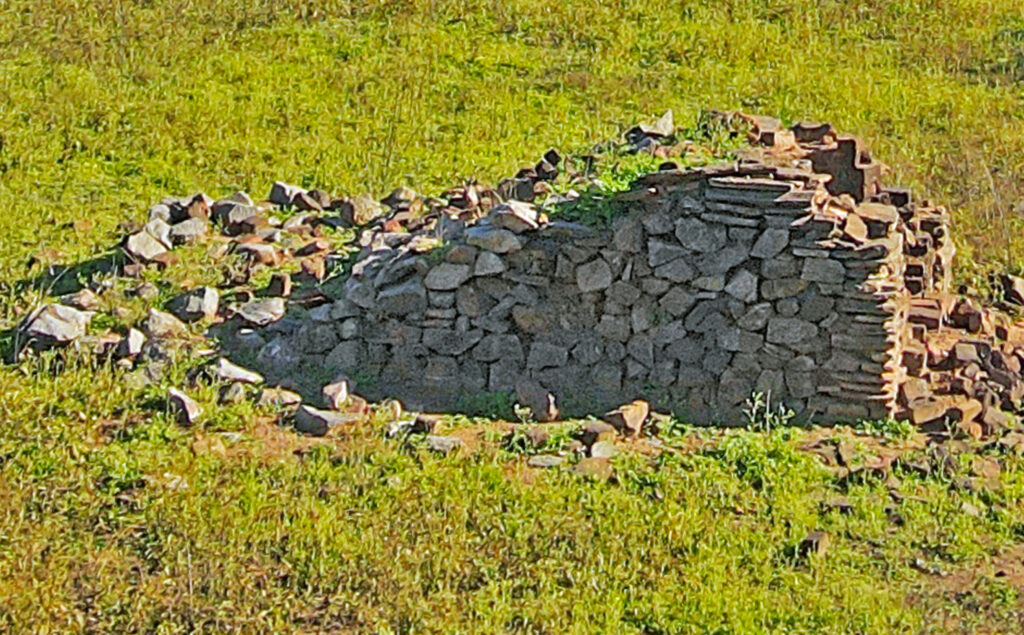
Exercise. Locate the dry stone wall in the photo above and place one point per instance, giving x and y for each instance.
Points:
(714, 283)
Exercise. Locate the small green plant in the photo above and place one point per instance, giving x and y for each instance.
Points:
(890, 428)
(762, 417)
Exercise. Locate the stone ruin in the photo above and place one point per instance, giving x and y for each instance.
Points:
(792, 271)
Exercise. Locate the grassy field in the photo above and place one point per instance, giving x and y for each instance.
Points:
(114, 519)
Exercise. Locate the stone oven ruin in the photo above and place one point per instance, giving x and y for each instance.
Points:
(792, 271)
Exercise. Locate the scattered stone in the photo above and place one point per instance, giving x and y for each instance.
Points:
(335, 394)
(144, 247)
(629, 418)
(226, 370)
(515, 216)
(233, 393)
(544, 461)
(603, 450)
(365, 209)
(814, 545)
(183, 407)
(188, 231)
(55, 324)
(319, 423)
(594, 431)
(199, 304)
(283, 194)
(160, 324)
(278, 398)
(444, 444)
(597, 468)
(262, 312)
(280, 285)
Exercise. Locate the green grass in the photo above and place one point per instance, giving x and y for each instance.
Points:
(106, 107)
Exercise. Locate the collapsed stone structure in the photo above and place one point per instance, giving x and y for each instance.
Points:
(792, 271)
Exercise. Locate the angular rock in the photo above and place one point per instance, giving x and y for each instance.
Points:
(444, 444)
(545, 355)
(515, 216)
(278, 398)
(544, 461)
(770, 243)
(131, 344)
(494, 239)
(603, 450)
(199, 304)
(696, 235)
(823, 270)
(283, 194)
(185, 409)
(335, 394)
(743, 286)
(159, 324)
(225, 370)
(54, 324)
(660, 252)
(597, 468)
(446, 277)
(790, 331)
(534, 396)
(629, 418)
(188, 231)
(263, 311)
(144, 247)
(488, 264)
(595, 275)
(316, 422)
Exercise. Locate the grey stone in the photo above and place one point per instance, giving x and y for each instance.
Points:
(615, 351)
(495, 239)
(595, 275)
(488, 263)
(823, 270)
(495, 347)
(282, 193)
(710, 283)
(603, 449)
(188, 230)
(782, 266)
(614, 327)
(696, 235)
(640, 317)
(279, 354)
(743, 286)
(723, 260)
(716, 361)
(677, 301)
(143, 246)
(403, 299)
(737, 340)
(623, 293)
(799, 385)
(503, 375)
(628, 235)
(607, 379)
(544, 461)
(160, 324)
(816, 307)
(346, 355)
(446, 276)
(544, 355)
(316, 422)
(442, 299)
(444, 444)
(641, 348)
(588, 351)
(185, 409)
(343, 309)
(770, 243)
(515, 216)
(263, 311)
(756, 318)
(657, 223)
(655, 286)
(450, 341)
(790, 331)
(56, 324)
(787, 307)
(782, 288)
(199, 304)
(226, 370)
(660, 252)
(676, 271)
(668, 333)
